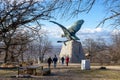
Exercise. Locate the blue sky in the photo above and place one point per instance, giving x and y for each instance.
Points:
(88, 29)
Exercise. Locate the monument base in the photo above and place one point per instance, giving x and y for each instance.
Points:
(73, 49)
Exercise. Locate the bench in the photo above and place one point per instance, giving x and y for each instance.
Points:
(29, 70)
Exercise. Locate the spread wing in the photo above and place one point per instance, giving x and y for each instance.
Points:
(66, 32)
(76, 27)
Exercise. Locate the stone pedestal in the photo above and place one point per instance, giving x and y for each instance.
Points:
(85, 64)
(74, 50)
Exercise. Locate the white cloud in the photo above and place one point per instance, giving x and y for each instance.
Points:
(115, 31)
(98, 29)
(88, 30)
(54, 31)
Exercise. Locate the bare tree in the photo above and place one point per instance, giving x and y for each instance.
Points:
(76, 7)
(90, 48)
(96, 49)
(15, 14)
(115, 48)
(38, 49)
(44, 46)
(40, 44)
(17, 45)
(113, 8)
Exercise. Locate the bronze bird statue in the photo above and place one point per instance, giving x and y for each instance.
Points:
(70, 32)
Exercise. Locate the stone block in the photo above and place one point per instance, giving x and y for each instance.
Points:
(85, 64)
(74, 50)
(45, 71)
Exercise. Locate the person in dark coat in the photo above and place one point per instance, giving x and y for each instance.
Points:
(55, 59)
(49, 62)
(62, 59)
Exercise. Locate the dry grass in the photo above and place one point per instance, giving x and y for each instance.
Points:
(7, 73)
(68, 73)
(98, 74)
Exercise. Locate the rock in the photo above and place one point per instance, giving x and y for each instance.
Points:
(45, 71)
(103, 68)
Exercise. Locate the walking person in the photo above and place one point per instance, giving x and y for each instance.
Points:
(49, 62)
(55, 59)
(67, 60)
(62, 60)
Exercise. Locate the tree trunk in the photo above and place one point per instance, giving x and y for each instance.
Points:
(22, 57)
(42, 57)
(6, 56)
(5, 59)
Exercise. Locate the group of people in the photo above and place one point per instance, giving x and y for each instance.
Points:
(66, 60)
(55, 59)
